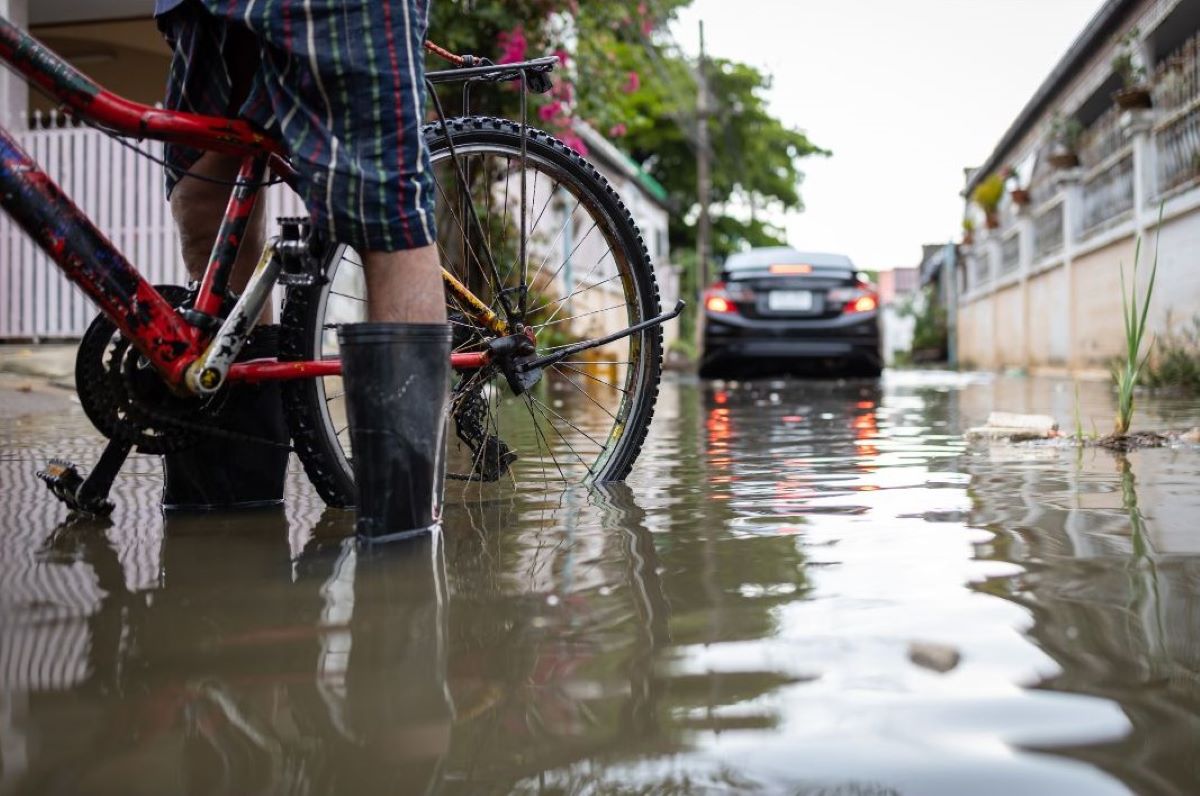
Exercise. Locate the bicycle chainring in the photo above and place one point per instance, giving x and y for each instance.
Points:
(124, 396)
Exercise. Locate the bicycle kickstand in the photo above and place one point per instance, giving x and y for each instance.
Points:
(89, 495)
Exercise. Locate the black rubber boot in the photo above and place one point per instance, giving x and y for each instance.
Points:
(396, 377)
(220, 473)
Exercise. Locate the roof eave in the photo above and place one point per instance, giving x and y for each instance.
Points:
(1098, 28)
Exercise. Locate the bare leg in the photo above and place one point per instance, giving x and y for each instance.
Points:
(405, 286)
(198, 208)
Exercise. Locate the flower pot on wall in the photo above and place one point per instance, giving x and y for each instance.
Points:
(1133, 97)
(1020, 196)
(992, 219)
(1063, 159)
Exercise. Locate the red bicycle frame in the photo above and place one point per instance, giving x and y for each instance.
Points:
(39, 206)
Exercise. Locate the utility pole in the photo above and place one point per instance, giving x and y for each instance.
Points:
(703, 173)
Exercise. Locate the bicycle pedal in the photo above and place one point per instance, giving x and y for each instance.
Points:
(63, 480)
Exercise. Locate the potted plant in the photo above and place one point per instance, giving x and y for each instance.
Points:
(968, 227)
(1064, 142)
(987, 195)
(1019, 195)
(1134, 92)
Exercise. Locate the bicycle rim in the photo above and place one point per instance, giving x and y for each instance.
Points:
(588, 275)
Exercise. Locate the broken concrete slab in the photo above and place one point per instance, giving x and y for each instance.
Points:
(1014, 427)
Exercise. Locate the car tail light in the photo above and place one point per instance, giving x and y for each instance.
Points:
(717, 300)
(863, 304)
(860, 298)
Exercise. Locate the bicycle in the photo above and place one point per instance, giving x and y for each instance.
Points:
(151, 367)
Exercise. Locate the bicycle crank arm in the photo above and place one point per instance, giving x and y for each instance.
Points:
(206, 375)
(563, 353)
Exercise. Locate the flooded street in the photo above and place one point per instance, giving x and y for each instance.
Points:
(803, 588)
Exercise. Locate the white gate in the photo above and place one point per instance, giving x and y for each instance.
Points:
(122, 192)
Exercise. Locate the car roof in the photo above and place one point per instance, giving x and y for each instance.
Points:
(785, 255)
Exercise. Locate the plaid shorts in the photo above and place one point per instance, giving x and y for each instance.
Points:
(340, 82)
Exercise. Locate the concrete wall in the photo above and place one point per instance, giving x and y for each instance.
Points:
(1177, 293)
(1009, 332)
(1048, 323)
(1099, 335)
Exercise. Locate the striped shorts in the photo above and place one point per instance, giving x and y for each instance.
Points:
(340, 82)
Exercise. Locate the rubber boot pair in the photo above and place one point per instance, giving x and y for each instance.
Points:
(221, 472)
(396, 382)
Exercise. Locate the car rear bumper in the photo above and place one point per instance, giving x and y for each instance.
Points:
(847, 341)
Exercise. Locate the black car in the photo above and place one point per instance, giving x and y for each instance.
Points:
(779, 310)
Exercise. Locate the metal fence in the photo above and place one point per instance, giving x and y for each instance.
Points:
(122, 193)
(1102, 139)
(1177, 77)
(1048, 231)
(1010, 252)
(1108, 193)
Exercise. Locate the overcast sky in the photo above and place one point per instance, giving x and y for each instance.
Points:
(905, 92)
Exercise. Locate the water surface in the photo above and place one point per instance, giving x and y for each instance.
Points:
(739, 617)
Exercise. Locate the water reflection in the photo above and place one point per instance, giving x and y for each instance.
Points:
(737, 618)
(244, 670)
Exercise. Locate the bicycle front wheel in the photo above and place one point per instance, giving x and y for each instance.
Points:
(553, 225)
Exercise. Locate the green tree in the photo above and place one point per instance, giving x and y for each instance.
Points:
(624, 77)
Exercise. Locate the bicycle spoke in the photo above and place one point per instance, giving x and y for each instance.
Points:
(558, 302)
(583, 392)
(577, 429)
(581, 315)
(593, 378)
(541, 407)
(544, 442)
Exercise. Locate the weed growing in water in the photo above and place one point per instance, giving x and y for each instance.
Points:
(1134, 317)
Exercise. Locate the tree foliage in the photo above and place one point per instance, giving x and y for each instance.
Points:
(625, 78)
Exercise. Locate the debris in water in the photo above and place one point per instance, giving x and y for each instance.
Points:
(1014, 427)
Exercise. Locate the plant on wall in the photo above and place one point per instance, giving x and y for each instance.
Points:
(987, 196)
(1134, 92)
(1065, 132)
(1019, 195)
(968, 228)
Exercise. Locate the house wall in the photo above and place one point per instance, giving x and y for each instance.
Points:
(1059, 304)
(1047, 320)
(128, 57)
(1097, 303)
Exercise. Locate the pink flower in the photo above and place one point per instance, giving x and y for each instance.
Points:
(573, 141)
(632, 83)
(618, 130)
(512, 45)
(549, 110)
(562, 55)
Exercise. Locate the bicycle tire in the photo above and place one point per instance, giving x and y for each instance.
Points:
(303, 321)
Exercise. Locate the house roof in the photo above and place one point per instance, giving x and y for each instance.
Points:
(1102, 26)
(600, 148)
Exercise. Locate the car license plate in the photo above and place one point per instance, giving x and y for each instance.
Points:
(789, 300)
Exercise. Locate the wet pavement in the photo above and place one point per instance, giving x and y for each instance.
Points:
(747, 614)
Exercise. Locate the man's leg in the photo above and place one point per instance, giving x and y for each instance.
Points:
(405, 286)
(217, 472)
(198, 207)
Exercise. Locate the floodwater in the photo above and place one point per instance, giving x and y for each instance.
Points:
(743, 616)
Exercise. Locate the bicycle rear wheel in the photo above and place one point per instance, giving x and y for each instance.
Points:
(588, 274)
